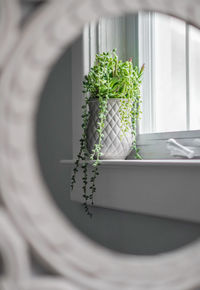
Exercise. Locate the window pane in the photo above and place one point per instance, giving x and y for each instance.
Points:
(169, 74)
(194, 56)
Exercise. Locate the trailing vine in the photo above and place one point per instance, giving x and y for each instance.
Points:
(108, 78)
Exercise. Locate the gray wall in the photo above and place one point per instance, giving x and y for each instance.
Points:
(120, 231)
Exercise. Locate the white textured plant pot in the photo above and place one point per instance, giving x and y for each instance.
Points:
(113, 146)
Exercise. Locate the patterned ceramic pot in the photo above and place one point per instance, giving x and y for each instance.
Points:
(113, 147)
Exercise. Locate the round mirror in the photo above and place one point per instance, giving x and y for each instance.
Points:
(169, 88)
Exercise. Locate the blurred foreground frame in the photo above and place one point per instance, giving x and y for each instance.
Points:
(27, 54)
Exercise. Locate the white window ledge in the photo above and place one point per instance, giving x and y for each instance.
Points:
(150, 162)
(167, 188)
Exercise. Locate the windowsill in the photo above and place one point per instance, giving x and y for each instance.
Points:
(159, 162)
(166, 188)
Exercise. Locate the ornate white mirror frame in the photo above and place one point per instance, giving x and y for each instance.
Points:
(28, 216)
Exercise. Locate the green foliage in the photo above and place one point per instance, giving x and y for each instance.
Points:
(108, 78)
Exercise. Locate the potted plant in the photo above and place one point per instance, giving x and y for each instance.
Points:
(110, 111)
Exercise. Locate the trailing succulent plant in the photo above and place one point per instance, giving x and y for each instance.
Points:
(108, 78)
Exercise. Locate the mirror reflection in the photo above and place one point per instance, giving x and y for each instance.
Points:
(168, 47)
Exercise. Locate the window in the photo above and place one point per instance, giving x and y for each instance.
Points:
(169, 48)
(171, 92)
